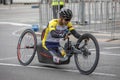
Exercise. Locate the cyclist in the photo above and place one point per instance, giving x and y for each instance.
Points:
(56, 30)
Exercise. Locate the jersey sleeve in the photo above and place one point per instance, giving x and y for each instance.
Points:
(70, 26)
(52, 26)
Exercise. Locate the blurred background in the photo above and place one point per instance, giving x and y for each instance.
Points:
(96, 16)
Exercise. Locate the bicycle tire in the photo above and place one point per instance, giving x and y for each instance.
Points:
(26, 49)
(83, 59)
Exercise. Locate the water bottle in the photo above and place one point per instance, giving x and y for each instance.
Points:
(35, 27)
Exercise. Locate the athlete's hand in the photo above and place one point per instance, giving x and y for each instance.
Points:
(66, 37)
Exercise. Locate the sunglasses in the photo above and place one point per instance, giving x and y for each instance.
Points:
(67, 19)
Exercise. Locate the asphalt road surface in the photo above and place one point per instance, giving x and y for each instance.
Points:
(10, 69)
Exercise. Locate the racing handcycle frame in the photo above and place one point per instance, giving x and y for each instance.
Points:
(86, 51)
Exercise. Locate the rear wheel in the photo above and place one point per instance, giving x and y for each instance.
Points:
(26, 47)
(87, 60)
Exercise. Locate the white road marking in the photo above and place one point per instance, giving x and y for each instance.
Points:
(21, 29)
(67, 70)
(105, 74)
(8, 58)
(103, 53)
(15, 32)
(117, 47)
(16, 24)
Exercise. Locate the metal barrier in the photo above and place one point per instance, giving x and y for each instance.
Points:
(101, 16)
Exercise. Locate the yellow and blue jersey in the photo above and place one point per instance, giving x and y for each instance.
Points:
(48, 40)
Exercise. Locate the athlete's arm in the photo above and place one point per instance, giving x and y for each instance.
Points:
(55, 35)
(75, 33)
(52, 28)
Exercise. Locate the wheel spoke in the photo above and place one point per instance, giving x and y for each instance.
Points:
(26, 47)
(88, 59)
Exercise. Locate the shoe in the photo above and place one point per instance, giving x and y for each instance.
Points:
(56, 59)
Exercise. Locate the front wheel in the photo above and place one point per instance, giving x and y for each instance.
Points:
(87, 60)
(26, 47)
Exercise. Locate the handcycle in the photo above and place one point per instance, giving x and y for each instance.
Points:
(85, 51)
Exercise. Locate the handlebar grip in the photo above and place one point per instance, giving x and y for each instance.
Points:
(68, 34)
